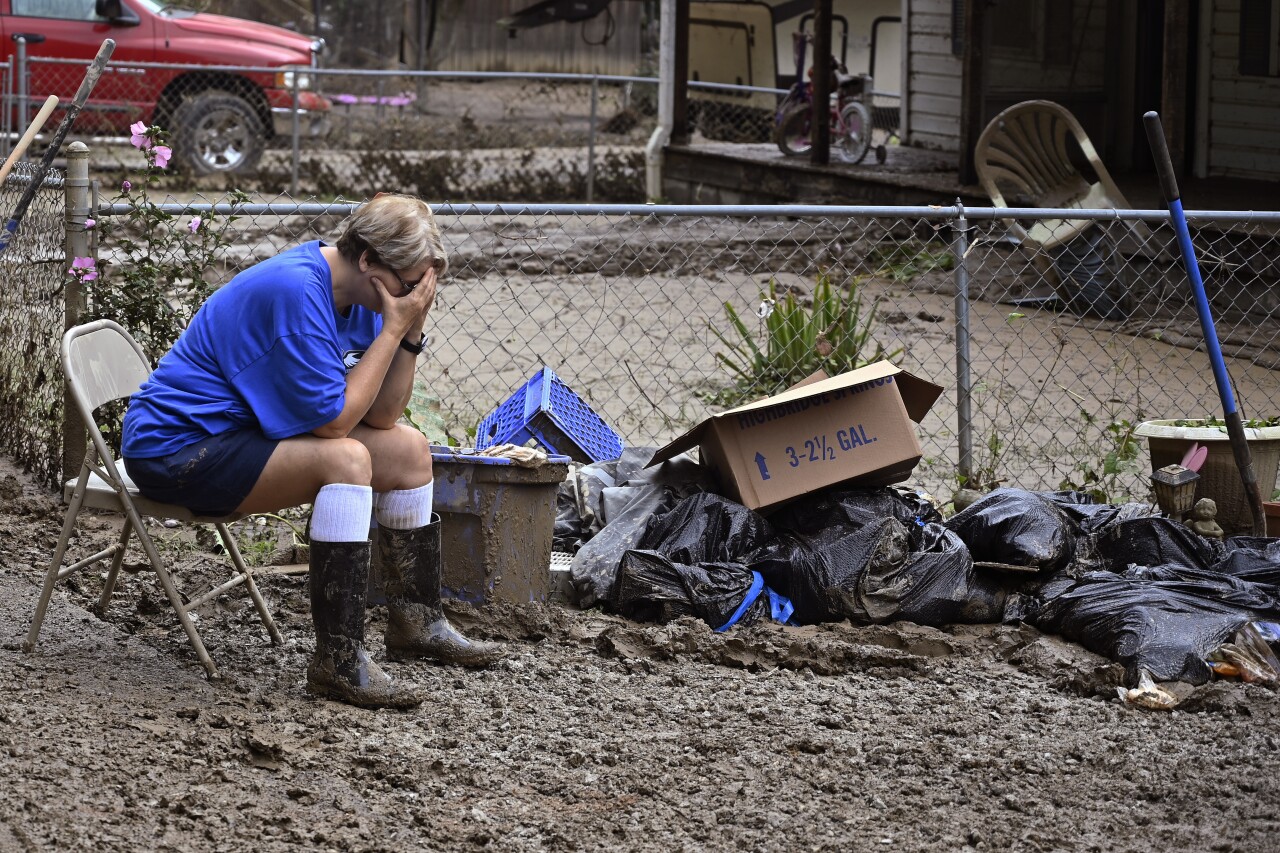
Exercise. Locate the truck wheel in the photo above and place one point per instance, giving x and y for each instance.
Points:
(217, 132)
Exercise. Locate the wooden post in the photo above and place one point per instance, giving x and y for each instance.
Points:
(1173, 82)
(972, 87)
(820, 126)
(680, 107)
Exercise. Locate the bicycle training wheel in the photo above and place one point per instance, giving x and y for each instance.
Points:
(855, 131)
(792, 134)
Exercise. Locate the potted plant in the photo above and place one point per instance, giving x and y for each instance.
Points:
(1170, 440)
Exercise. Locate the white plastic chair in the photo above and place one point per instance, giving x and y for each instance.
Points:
(1024, 153)
(103, 363)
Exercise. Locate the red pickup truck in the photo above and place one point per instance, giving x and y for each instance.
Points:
(220, 120)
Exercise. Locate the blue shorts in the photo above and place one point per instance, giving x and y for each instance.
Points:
(212, 476)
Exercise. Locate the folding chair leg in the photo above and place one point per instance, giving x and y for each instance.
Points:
(263, 613)
(51, 576)
(109, 586)
(166, 582)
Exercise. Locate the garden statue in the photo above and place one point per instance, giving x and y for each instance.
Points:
(1203, 516)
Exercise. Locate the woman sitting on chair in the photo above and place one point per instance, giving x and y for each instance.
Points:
(286, 389)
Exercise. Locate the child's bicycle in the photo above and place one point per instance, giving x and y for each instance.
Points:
(850, 112)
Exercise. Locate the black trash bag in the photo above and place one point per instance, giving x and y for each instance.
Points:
(594, 568)
(1167, 629)
(1090, 516)
(853, 508)
(1156, 542)
(935, 584)
(608, 505)
(807, 569)
(880, 572)
(653, 588)
(1251, 558)
(582, 500)
(1089, 279)
(1262, 599)
(820, 546)
(1017, 528)
(706, 528)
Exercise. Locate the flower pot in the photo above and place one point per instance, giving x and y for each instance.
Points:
(1272, 510)
(1219, 477)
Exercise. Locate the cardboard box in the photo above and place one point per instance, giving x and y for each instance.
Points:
(854, 429)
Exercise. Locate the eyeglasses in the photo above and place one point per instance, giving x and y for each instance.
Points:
(407, 286)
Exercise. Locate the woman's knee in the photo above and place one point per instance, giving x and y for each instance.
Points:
(345, 460)
(402, 459)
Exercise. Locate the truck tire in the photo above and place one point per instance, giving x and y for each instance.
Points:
(217, 132)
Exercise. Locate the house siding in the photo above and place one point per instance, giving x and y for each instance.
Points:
(1244, 111)
(933, 77)
(934, 84)
(468, 40)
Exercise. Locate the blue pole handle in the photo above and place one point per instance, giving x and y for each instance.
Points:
(1178, 218)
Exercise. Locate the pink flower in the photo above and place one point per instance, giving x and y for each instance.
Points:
(125, 187)
(139, 138)
(89, 223)
(162, 154)
(84, 269)
(194, 225)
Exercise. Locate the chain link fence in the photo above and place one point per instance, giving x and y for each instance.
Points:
(488, 136)
(1048, 359)
(31, 324)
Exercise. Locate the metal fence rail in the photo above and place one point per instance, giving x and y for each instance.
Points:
(1048, 360)
(439, 134)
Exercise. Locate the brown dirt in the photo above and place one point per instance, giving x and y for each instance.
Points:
(596, 733)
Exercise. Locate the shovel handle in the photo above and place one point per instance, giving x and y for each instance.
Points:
(1230, 413)
(50, 104)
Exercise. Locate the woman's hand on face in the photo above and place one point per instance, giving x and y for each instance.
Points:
(426, 290)
(401, 314)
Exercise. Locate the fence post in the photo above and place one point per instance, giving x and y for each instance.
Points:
(591, 140)
(77, 245)
(21, 80)
(9, 88)
(294, 141)
(964, 381)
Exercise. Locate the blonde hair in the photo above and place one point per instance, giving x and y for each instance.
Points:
(396, 230)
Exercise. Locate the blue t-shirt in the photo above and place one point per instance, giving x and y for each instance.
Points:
(269, 349)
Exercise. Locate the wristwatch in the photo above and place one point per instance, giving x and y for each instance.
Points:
(417, 348)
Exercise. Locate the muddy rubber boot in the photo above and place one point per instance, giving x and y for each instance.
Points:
(416, 625)
(341, 668)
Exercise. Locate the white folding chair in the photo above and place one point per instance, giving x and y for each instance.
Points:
(103, 363)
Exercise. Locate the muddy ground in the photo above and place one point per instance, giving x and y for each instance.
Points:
(594, 733)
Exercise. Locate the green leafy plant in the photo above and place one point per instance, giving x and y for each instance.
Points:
(1102, 476)
(1213, 421)
(835, 335)
(262, 536)
(905, 261)
(156, 268)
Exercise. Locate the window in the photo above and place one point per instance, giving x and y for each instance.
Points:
(1260, 38)
(1026, 30)
(66, 10)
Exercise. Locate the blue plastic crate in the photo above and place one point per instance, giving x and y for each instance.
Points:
(549, 412)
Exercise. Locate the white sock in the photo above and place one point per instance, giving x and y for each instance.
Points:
(405, 509)
(340, 513)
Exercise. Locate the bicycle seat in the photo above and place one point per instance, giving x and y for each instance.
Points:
(853, 84)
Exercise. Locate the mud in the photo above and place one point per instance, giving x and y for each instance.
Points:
(595, 733)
